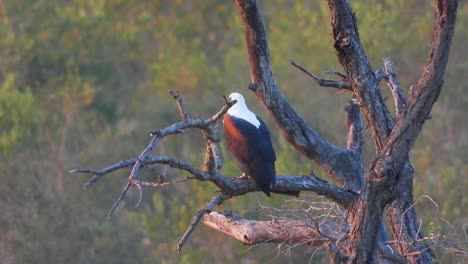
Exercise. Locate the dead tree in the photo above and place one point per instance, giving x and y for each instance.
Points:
(364, 193)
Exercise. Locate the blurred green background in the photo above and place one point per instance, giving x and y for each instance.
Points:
(82, 82)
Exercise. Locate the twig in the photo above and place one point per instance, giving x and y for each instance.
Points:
(196, 219)
(141, 195)
(99, 173)
(162, 177)
(134, 174)
(394, 84)
(149, 184)
(214, 144)
(180, 103)
(220, 113)
(117, 202)
(343, 76)
(417, 252)
(149, 160)
(394, 257)
(412, 242)
(323, 82)
(213, 154)
(354, 126)
(409, 208)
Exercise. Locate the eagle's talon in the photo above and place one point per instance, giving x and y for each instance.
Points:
(244, 176)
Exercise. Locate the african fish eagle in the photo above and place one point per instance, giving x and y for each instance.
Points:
(247, 138)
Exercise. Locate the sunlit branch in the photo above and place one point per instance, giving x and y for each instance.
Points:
(252, 232)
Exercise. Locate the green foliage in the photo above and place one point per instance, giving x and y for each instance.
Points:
(18, 114)
(82, 82)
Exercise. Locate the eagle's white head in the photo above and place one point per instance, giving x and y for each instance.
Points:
(240, 110)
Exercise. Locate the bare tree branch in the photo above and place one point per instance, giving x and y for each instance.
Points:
(252, 232)
(394, 149)
(213, 153)
(394, 84)
(157, 136)
(354, 126)
(180, 103)
(354, 60)
(217, 200)
(427, 91)
(432, 76)
(209, 163)
(323, 82)
(177, 128)
(352, 57)
(117, 202)
(99, 173)
(341, 75)
(339, 163)
(343, 197)
(365, 86)
(236, 187)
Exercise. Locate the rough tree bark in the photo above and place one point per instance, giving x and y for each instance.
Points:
(364, 193)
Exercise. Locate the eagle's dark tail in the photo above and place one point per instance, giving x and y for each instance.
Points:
(265, 177)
